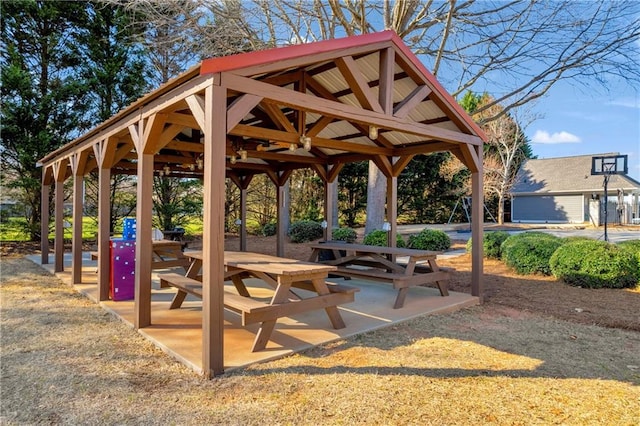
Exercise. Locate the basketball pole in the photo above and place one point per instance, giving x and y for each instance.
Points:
(606, 205)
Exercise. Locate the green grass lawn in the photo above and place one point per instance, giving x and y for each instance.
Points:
(15, 229)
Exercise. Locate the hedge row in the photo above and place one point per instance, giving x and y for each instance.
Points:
(577, 261)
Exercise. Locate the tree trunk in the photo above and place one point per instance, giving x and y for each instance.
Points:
(376, 198)
(500, 209)
(334, 205)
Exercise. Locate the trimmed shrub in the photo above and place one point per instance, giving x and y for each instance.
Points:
(343, 234)
(430, 239)
(269, 229)
(305, 230)
(491, 244)
(529, 252)
(379, 238)
(632, 246)
(595, 264)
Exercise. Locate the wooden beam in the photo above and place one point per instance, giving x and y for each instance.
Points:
(279, 135)
(121, 122)
(320, 171)
(135, 136)
(333, 172)
(386, 81)
(471, 159)
(344, 112)
(384, 164)
(196, 105)
(240, 107)
(404, 108)
(275, 113)
(319, 125)
(152, 133)
(266, 155)
(426, 148)
(400, 164)
(185, 146)
(186, 120)
(352, 74)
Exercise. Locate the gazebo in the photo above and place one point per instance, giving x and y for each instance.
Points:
(318, 105)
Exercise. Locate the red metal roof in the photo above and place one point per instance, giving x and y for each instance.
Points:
(256, 58)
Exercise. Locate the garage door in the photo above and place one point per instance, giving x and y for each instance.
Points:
(548, 208)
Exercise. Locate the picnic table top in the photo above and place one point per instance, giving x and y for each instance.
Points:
(364, 248)
(267, 264)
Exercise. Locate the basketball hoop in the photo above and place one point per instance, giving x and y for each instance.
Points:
(606, 166)
(609, 165)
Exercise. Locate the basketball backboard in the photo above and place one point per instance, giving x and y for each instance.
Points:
(609, 165)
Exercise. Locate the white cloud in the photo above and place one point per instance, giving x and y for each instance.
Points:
(542, 136)
(627, 103)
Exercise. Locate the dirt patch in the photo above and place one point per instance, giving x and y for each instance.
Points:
(613, 308)
(66, 361)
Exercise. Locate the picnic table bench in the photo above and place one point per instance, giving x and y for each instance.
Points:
(283, 275)
(379, 264)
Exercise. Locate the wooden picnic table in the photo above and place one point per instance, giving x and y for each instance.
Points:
(281, 274)
(380, 264)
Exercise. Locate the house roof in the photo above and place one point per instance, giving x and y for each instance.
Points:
(564, 175)
(332, 91)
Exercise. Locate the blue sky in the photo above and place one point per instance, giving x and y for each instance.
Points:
(579, 121)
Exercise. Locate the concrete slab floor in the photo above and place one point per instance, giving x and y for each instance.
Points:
(178, 332)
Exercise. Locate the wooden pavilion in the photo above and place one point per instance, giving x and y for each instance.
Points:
(318, 105)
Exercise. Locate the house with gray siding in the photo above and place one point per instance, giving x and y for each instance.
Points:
(562, 190)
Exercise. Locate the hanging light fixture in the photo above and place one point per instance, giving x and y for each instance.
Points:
(199, 163)
(373, 132)
(161, 173)
(243, 154)
(306, 142)
(166, 169)
(233, 159)
(293, 147)
(192, 167)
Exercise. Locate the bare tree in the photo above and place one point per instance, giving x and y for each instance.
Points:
(519, 49)
(506, 148)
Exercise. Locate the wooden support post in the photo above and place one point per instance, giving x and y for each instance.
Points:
(59, 219)
(104, 232)
(44, 222)
(392, 208)
(243, 218)
(477, 229)
(328, 210)
(144, 218)
(283, 222)
(215, 134)
(76, 241)
(333, 203)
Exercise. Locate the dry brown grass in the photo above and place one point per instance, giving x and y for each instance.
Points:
(66, 361)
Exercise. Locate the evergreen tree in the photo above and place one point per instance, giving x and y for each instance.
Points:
(42, 95)
(112, 66)
(114, 71)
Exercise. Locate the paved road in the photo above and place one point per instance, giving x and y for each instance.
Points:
(461, 232)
